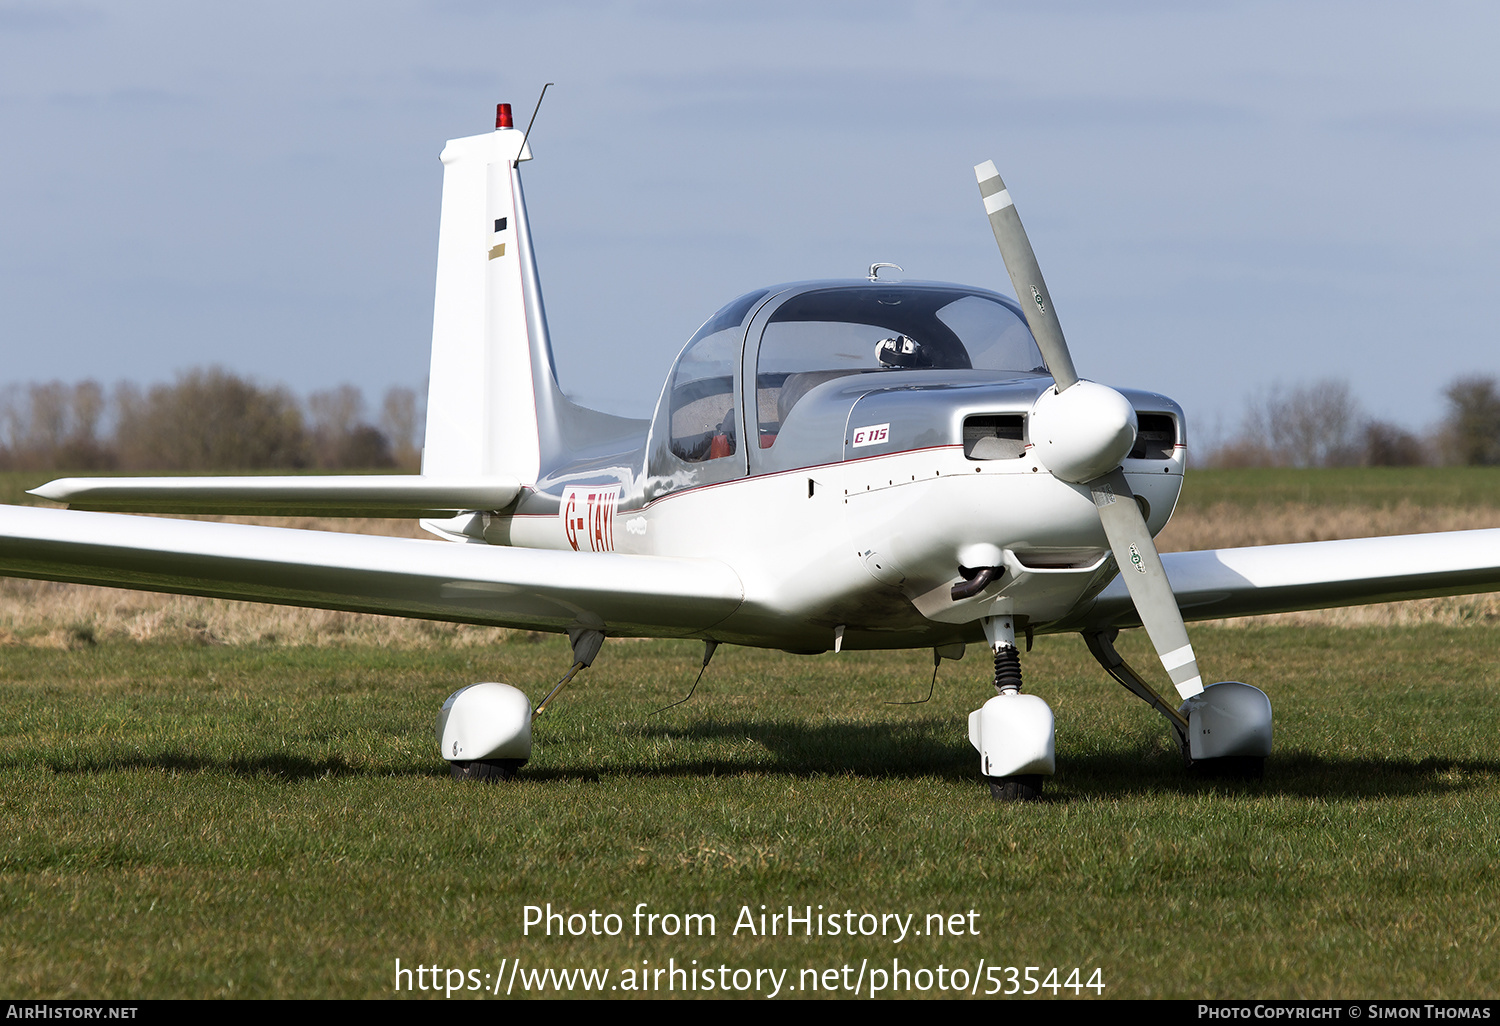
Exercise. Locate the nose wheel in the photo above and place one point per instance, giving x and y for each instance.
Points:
(1025, 788)
(487, 770)
(1013, 733)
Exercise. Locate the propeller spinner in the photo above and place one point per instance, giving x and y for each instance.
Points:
(1083, 431)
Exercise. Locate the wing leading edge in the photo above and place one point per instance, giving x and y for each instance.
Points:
(533, 589)
(1312, 575)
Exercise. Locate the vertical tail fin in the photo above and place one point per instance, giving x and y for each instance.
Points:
(492, 396)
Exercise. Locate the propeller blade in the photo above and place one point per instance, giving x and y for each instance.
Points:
(1085, 432)
(1146, 580)
(1025, 275)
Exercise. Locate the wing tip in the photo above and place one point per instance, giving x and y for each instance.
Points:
(53, 491)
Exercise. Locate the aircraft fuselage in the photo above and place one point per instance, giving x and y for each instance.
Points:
(873, 540)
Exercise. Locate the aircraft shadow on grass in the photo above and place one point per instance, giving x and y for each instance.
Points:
(926, 749)
(288, 768)
(875, 751)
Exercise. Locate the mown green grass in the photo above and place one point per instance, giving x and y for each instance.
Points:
(211, 821)
(1460, 487)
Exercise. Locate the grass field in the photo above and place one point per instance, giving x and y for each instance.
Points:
(243, 821)
(268, 817)
(1428, 487)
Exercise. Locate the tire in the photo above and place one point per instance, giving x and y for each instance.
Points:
(490, 771)
(1026, 788)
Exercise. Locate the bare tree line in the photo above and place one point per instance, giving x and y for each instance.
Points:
(206, 420)
(214, 420)
(1323, 425)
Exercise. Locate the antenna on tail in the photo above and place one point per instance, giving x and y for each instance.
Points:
(534, 110)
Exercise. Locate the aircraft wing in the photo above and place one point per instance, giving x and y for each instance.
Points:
(623, 595)
(369, 495)
(1312, 575)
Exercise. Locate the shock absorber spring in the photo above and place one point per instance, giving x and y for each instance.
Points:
(1007, 669)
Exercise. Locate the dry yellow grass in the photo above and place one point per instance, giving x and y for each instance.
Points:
(45, 614)
(1226, 525)
(50, 615)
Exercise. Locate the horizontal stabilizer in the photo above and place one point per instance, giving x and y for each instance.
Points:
(533, 589)
(1312, 575)
(373, 495)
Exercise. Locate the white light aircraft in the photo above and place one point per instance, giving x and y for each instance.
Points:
(865, 464)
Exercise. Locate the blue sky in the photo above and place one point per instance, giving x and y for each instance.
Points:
(1223, 197)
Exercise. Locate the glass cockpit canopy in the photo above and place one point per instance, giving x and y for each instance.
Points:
(827, 333)
(831, 333)
(701, 400)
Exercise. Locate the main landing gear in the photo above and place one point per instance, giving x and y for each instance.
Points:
(1223, 731)
(484, 730)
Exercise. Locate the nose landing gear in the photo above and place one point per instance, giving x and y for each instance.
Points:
(1013, 733)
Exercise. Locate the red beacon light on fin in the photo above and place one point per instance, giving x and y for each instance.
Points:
(502, 117)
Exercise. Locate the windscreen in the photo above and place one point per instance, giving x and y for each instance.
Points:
(829, 333)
